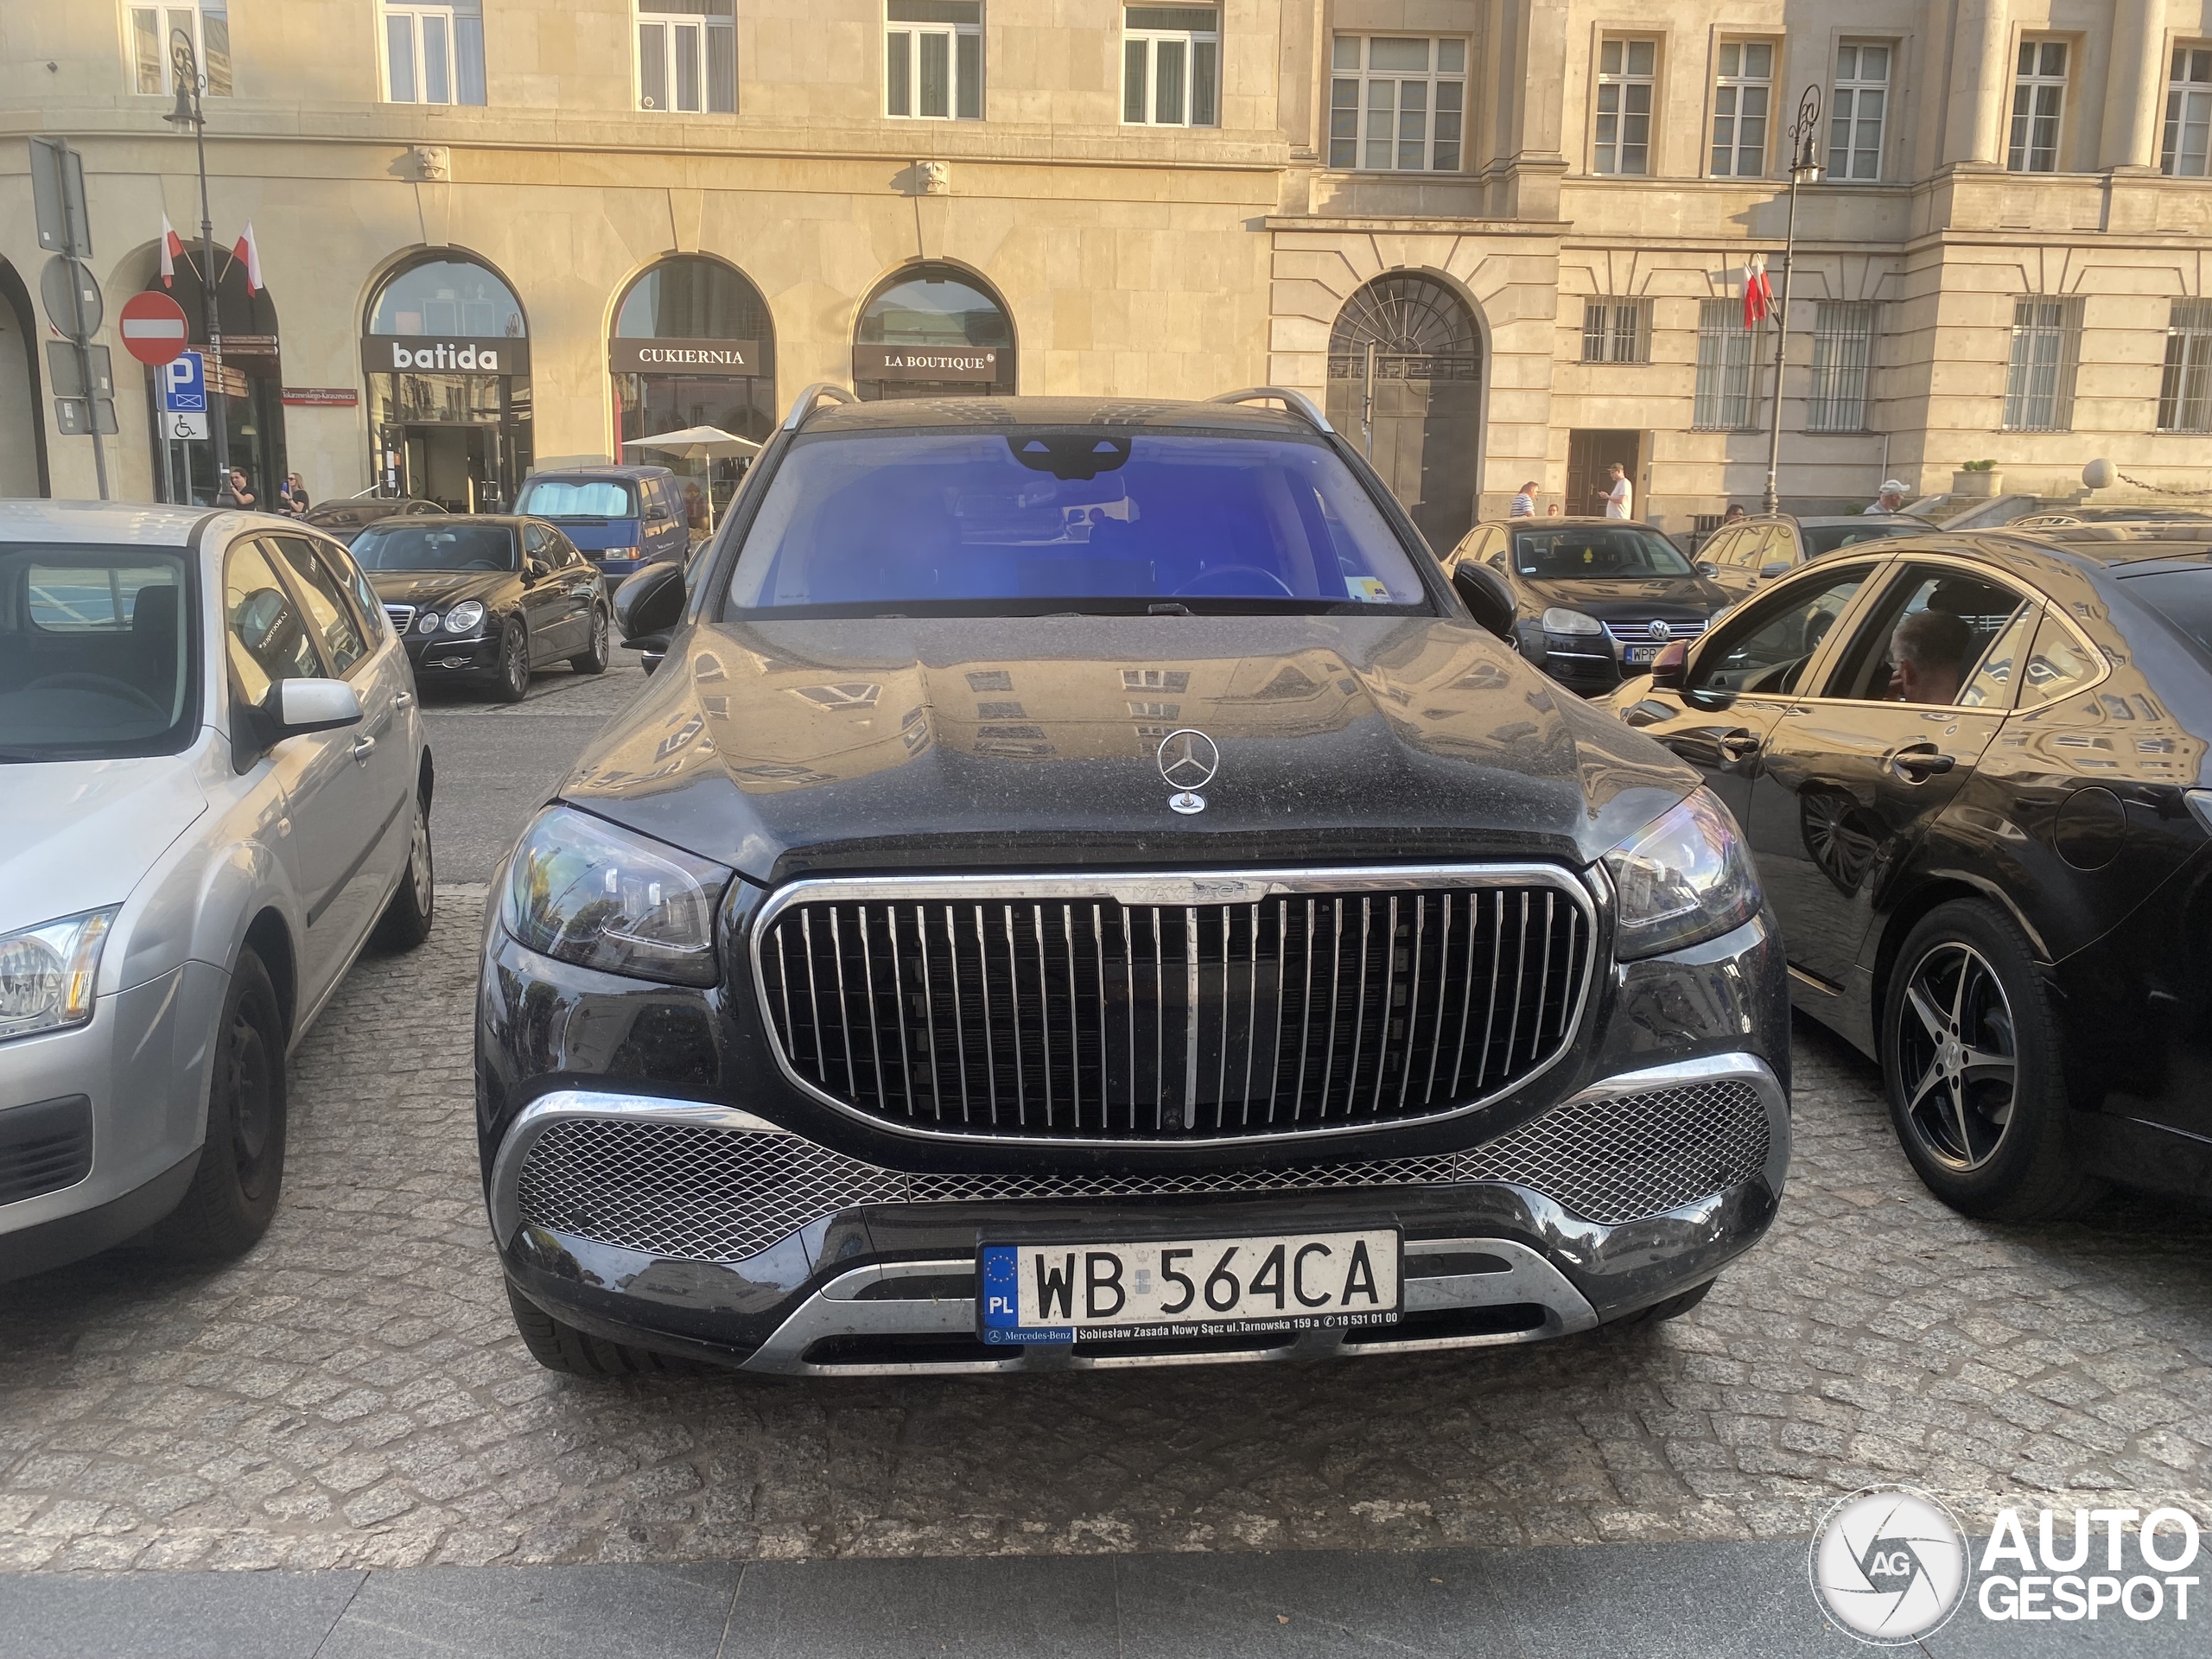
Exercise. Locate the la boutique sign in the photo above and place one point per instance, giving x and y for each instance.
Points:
(444, 354)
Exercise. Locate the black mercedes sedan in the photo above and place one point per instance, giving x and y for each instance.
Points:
(484, 600)
(348, 517)
(1972, 769)
(1597, 598)
(1084, 889)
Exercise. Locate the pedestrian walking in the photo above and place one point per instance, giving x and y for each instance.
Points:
(1891, 499)
(1620, 494)
(1524, 505)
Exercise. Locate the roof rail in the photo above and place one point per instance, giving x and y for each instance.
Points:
(804, 404)
(1296, 401)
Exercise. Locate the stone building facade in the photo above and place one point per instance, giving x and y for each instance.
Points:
(1498, 240)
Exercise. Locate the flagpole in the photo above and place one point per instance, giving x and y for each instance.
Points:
(191, 111)
(1804, 168)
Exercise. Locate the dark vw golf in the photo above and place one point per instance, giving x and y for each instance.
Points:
(1086, 889)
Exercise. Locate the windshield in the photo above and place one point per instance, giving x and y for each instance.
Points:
(2182, 597)
(96, 658)
(578, 498)
(1040, 520)
(435, 547)
(1826, 539)
(1595, 550)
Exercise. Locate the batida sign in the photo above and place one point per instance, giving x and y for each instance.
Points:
(444, 354)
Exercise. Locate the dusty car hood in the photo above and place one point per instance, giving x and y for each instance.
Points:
(1640, 597)
(435, 588)
(783, 747)
(77, 835)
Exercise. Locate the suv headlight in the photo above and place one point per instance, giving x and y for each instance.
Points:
(585, 890)
(1683, 878)
(1558, 619)
(47, 973)
(464, 616)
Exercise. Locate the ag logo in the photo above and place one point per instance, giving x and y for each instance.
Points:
(1889, 1565)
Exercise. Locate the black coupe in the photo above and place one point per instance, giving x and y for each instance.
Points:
(485, 599)
(1084, 889)
(1597, 598)
(1972, 769)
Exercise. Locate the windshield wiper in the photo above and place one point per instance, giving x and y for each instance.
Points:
(1168, 607)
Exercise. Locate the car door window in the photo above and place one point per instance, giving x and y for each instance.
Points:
(1993, 684)
(533, 545)
(2058, 665)
(329, 613)
(1925, 639)
(268, 638)
(367, 607)
(1767, 645)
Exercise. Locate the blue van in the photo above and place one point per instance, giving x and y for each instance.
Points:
(619, 517)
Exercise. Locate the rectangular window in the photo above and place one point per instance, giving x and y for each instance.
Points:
(1397, 103)
(933, 59)
(1858, 109)
(1171, 65)
(2039, 377)
(434, 51)
(1741, 97)
(2185, 394)
(687, 56)
(2038, 101)
(206, 24)
(1625, 73)
(2189, 113)
(1843, 351)
(1615, 331)
(1728, 368)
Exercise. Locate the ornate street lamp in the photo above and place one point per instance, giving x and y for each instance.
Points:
(184, 69)
(1804, 168)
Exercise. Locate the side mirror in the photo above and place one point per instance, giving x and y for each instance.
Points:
(1667, 667)
(1779, 568)
(649, 604)
(536, 569)
(293, 707)
(1484, 593)
(657, 514)
(1707, 568)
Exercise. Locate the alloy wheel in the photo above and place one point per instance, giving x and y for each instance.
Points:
(1958, 1056)
(418, 855)
(598, 635)
(516, 665)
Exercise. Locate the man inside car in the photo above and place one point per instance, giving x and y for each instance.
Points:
(1929, 654)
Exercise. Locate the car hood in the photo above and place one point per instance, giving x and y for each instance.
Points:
(438, 588)
(1613, 597)
(78, 835)
(782, 747)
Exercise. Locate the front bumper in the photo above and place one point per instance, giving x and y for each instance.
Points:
(708, 1231)
(431, 655)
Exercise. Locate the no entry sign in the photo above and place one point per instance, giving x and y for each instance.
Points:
(153, 327)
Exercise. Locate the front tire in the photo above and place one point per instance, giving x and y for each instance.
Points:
(1973, 1070)
(593, 659)
(561, 1347)
(510, 681)
(406, 920)
(234, 1190)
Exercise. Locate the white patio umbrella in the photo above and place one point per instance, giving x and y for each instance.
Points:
(698, 443)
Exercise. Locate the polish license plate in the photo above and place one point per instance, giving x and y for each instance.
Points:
(1279, 1282)
(1642, 654)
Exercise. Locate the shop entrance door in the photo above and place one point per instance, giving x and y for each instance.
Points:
(1590, 453)
(462, 468)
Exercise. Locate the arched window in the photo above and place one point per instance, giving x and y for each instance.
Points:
(1405, 379)
(254, 420)
(693, 345)
(934, 330)
(446, 349)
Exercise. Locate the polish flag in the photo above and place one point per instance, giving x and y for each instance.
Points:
(1759, 292)
(172, 245)
(247, 251)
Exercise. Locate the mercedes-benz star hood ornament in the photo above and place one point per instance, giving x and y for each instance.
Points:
(1188, 760)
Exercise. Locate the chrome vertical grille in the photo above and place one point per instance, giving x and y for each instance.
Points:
(1174, 1007)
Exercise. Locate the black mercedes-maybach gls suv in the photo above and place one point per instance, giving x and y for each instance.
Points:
(1084, 889)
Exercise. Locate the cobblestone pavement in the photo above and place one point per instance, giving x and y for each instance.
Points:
(354, 1394)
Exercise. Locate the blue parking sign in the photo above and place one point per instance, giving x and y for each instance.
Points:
(184, 384)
